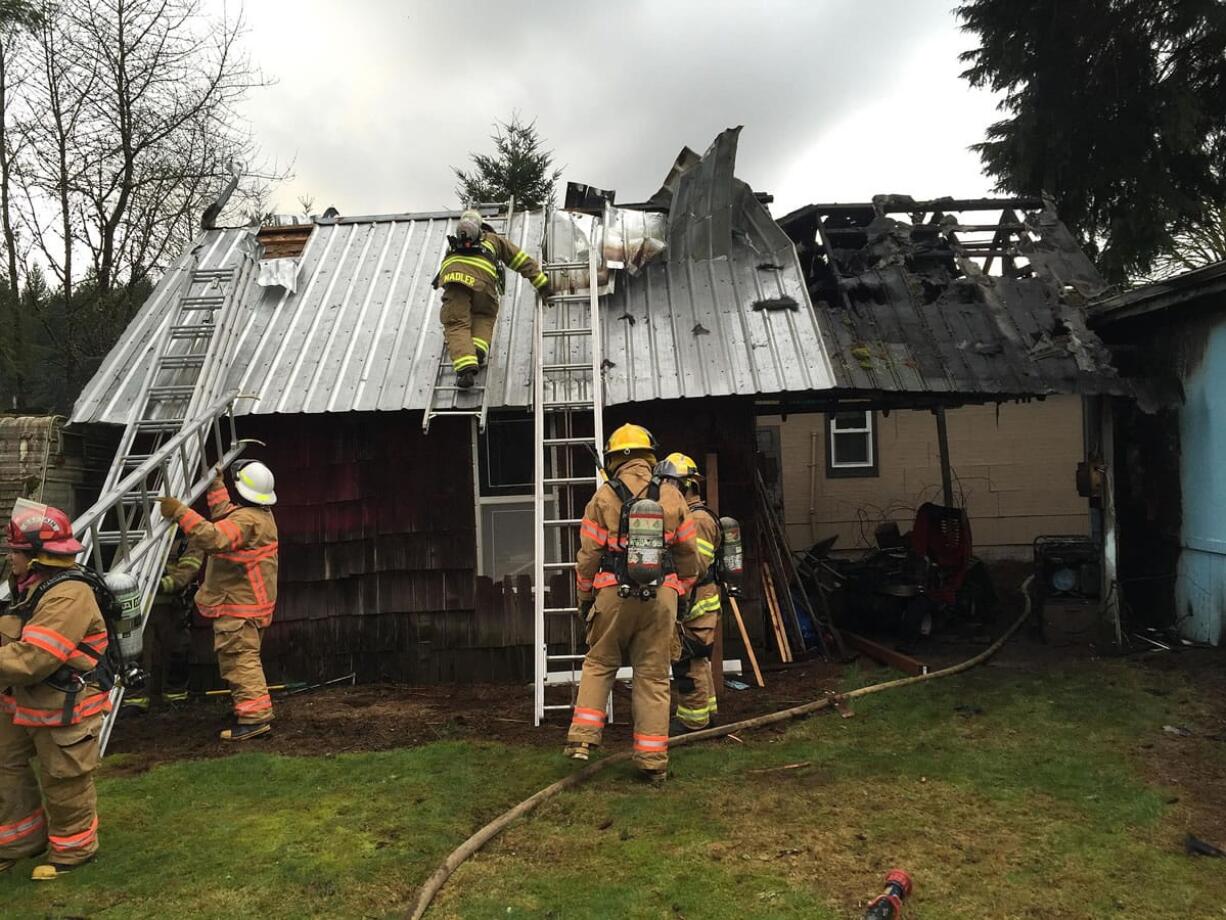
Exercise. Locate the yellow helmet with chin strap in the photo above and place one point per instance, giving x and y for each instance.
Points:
(626, 440)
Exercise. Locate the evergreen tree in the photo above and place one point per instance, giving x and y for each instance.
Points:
(1117, 108)
(518, 167)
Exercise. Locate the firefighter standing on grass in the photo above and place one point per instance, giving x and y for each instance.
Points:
(696, 700)
(53, 697)
(471, 277)
(239, 592)
(167, 639)
(625, 618)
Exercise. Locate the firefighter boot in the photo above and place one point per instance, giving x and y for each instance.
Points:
(466, 377)
(245, 732)
(578, 750)
(49, 872)
(654, 777)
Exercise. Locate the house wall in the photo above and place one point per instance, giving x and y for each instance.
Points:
(42, 460)
(1014, 467)
(1171, 485)
(378, 545)
(1200, 585)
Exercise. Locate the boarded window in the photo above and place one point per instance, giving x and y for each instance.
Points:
(286, 242)
(851, 444)
(507, 458)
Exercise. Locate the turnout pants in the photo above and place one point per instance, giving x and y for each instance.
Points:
(696, 702)
(643, 632)
(167, 642)
(65, 814)
(237, 643)
(468, 324)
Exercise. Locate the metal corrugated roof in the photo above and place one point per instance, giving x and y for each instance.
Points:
(362, 333)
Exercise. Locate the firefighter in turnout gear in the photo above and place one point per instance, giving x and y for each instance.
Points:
(696, 701)
(239, 592)
(637, 557)
(53, 697)
(167, 639)
(471, 277)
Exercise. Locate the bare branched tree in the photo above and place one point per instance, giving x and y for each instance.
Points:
(1201, 244)
(123, 134)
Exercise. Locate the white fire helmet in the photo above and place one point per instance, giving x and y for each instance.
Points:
(255, 482)
(469, 227)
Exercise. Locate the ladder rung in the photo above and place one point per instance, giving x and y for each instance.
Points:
(191, 332)
(212, 274)
(136, 459)
(160, 424)
(568, 404)
(561, 610)
(571, 298)
(564, 442)
(565, 657)
(551, 333)
(461, 389)
(570, 481)
(566, 367)
(180, 361)
(566, 522)
(200, 301)
(563, 266)
(435, 413)
(559, 565)
(174, 391)
(549, 707)
(116, 537)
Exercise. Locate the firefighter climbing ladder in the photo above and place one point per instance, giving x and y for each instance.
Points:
(569, 434)
(470, 402)
(179, 416)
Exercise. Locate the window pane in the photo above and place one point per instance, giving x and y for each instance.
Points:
(851, 420)
(508, 539)
(850, 448)
(506, 454)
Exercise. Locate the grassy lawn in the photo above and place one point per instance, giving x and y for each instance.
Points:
(1005, 794)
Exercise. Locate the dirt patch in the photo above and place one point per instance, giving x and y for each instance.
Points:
(1193, 765)
(380, 717)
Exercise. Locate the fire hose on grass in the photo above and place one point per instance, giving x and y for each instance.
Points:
(460, 854)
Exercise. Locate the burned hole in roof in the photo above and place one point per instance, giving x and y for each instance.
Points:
(777, 303)
(287, 242)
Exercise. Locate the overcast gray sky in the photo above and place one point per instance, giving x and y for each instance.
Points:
(375, 100)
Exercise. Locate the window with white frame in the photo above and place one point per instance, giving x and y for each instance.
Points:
(851, 444)
(504, 514)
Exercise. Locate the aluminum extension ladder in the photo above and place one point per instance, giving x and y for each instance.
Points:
(181, 429)
(569, 435)
(472, 402)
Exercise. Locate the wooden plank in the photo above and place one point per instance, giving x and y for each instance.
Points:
(772, 604)
(753, 658)
(887, 656)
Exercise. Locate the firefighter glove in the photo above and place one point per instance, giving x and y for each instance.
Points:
(585, 608)
(166, 585)
(172, 508)
(545, 291)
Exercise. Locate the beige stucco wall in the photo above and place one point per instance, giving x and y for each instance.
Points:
(1016, 470)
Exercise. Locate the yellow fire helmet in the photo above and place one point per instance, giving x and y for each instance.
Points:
(628, 438)
(688, 467)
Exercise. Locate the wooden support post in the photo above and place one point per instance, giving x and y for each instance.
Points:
(947, 481)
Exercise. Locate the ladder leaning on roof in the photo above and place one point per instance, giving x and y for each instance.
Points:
(179, 416)
(569, 435)
(471, 402)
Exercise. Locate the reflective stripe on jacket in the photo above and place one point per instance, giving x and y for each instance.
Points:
(240, 577)
(66, 616)
(601, 522)
(481, 274)
(706, 597)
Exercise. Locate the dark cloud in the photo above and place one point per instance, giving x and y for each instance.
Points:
(376, 100)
